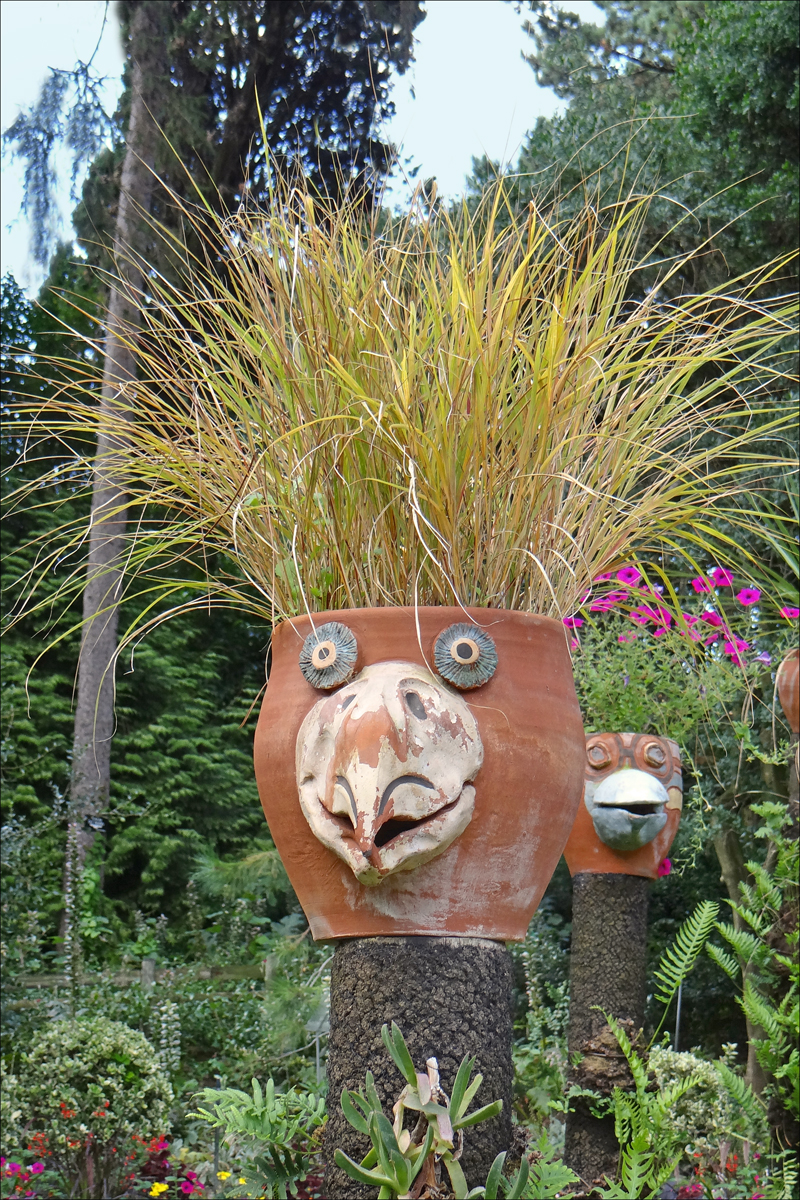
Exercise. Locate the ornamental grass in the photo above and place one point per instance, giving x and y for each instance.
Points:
(336, 408)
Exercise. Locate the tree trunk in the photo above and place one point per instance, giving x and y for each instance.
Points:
(734, 872)
(608, 962)
(450, 997)
(94, 709)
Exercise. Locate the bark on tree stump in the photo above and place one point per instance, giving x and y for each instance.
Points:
(607, 968)
(450, 997)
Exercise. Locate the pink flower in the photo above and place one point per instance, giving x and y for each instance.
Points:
(664, 867)
(601, 605)
(711, 639)
(701, 585)
(748, 596)
(712, 618)
(163, 1145)
(659, 632)
(690, 619)
(721, 577)
(187, 1188)
(601, 578)
(574, 644)
(790, 613)
(572, 622)
(629, 575)
(13, 1168)
(622, 638)
(735, 645)
(640, 615)
(191, 1174)
(37, 1168)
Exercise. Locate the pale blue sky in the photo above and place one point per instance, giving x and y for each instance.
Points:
(474, 94)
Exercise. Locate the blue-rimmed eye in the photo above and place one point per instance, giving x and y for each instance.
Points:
(328, 656)
(465, 656)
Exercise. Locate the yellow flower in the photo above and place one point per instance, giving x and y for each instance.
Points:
(223, 1174)
(158, 1188)
(242, 1181)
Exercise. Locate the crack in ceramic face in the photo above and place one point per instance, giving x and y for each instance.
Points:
(385, 769)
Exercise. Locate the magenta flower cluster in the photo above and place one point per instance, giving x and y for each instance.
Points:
(691, 626)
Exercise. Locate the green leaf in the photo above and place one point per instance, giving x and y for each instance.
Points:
(355, 1171)
(457, 1179)
(493, 1178)
(481, 1114)
(519, 1181)
(395, 1044)
(458, 1102)
(352, 1115)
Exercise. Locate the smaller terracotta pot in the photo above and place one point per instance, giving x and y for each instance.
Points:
(788, 682)
(631, 807)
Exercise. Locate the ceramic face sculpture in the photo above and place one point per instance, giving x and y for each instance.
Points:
(631, 807)
(385, 768)
(420, 769)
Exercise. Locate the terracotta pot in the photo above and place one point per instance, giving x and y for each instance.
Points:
(631, 807)
(403, 804)
(789, 688)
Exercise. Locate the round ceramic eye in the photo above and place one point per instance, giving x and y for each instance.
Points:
(654, 755)
(328, 656)
(465, 656)
(598, 756)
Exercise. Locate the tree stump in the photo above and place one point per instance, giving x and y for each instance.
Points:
(608, 969)
(450, 996)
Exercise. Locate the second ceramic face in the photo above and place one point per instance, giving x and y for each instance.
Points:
(385, 768)
(631, 805)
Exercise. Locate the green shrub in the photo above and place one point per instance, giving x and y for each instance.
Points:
(87, 1099)
(708, 1114)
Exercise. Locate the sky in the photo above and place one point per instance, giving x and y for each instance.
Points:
(469, 91)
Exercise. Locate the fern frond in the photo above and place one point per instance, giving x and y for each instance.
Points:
(746, 945)
(679, 958)
(760, 1011)
(741, 1093)
(634, 1061)
(670, 1095)
(724, 960)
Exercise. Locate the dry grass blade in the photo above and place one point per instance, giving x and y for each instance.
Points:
(339, 410)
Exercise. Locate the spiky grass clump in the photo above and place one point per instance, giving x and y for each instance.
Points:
(445, 408)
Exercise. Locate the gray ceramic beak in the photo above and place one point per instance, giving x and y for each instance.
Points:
(627, 809)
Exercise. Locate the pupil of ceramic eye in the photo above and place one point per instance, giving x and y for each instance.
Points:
(655, 756)
(324, 655)
(598, 756)
(465, 651)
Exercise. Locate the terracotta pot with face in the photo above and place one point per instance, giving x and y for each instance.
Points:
(420, 769)
(631, 805)
(788, 684)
